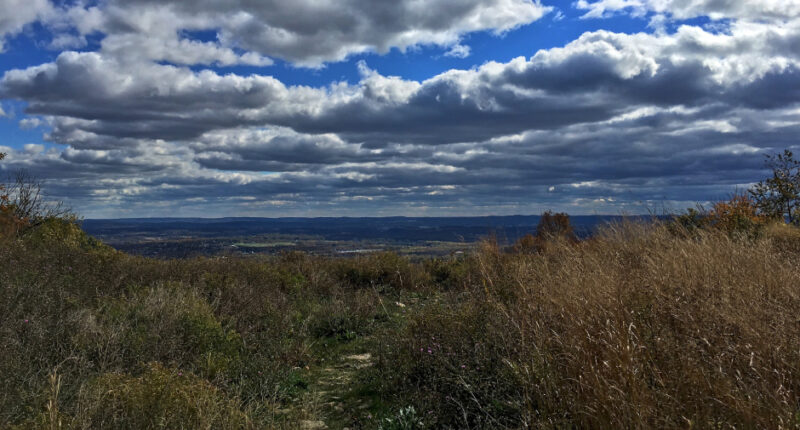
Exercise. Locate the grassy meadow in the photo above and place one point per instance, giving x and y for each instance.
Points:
(643, 326)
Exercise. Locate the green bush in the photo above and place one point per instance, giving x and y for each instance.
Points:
(345, 316)
(167, 323)
(380, 270)
(158, 398)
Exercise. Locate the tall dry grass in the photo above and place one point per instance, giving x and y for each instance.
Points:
(637, 328)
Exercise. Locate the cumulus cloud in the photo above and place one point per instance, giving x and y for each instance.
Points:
(596, 77)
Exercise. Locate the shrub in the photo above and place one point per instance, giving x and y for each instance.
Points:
(168, 323)
(23, 205)
(345, 316)
(382, 269)
(738, 217)
(555, 225)
(158, 398)
(450, 273)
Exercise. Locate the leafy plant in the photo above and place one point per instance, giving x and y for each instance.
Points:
(405, 419)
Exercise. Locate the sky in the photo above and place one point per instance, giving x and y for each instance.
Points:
(210, 108)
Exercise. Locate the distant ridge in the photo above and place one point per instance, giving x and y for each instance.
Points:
(506, 228)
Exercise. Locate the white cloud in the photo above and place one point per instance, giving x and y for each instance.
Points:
(16, 14)
(683, 9)
(458, 51)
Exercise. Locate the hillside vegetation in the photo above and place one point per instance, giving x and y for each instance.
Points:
(642, 326)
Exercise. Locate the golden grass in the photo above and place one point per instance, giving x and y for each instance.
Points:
(636, 328)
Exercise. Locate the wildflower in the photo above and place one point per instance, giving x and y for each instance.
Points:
(180, 373)
(463, 366)
(26, 321)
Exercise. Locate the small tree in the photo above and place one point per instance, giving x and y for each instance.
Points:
(778, 197)
(23, 207)
(551, 227)
(27, 202)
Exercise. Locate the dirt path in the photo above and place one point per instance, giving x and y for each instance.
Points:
(330, 396)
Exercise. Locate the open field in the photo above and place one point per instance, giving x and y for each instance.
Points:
(191, 237)
(639, 327)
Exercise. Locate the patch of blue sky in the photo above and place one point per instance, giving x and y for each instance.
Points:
(13, 134)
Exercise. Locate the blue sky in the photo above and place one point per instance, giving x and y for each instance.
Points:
(315, 108)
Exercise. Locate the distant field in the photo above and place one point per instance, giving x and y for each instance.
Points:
(263, 244)
(184, 237)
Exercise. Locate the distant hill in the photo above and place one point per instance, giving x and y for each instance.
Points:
(467, 229)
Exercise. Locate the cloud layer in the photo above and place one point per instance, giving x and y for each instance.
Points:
(609, 122)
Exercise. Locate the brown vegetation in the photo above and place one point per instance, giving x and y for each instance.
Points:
(639, 329)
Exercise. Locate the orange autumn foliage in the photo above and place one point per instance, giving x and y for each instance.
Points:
(739, 213)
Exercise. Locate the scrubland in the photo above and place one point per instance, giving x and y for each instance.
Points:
(646, 325)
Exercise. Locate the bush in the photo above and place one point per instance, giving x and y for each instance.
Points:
(383, 270)
(738, 217)
(169, 324)
(158, 398)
